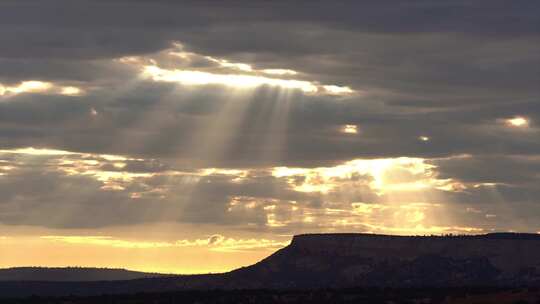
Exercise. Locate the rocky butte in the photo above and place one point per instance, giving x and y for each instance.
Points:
(367, 260)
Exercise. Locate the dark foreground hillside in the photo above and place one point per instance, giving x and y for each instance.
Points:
(358, 296)
(340, 261)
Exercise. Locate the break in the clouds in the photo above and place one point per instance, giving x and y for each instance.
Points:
(268, 118)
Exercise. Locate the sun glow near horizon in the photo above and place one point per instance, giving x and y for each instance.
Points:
(170, 257)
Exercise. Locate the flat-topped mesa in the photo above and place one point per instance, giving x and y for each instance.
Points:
(506, 250)
(386, 237)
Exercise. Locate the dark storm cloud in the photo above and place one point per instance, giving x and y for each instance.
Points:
(433, 42)
(494, 169)
(457, 52)
(450, 71)
(75, 71)
(112, 28)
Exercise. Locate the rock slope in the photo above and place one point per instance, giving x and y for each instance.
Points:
(344, 260)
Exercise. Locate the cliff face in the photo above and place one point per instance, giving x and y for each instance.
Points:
(343, 260)
(507, 252)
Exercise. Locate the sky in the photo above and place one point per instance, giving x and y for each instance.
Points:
(200, 136)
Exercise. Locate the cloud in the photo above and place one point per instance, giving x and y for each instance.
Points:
(113, 146)
(214, 243)
(66, 190)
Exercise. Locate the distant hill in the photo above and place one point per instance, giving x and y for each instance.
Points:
(348, 260)
(56, 274)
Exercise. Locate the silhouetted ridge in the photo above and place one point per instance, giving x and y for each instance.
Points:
(64, 274)
(351, 260)
(513, 236)
(494, 235)
(356, 259)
